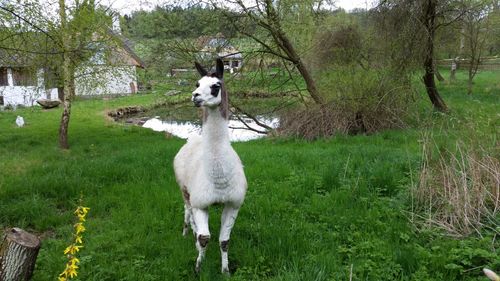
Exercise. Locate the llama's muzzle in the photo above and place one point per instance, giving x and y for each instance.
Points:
(197, 103)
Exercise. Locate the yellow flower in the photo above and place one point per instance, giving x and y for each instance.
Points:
(73, 261)
(72, 249)
(82, 210)
(79, 228)
(78, 239)
(72, 271)
(71, 266)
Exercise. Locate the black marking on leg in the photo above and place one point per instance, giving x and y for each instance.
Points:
(203, 240)
(224, 245)
(186, 195)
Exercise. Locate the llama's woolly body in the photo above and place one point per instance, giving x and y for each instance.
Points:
(209, 168)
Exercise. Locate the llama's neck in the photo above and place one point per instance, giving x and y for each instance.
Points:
(215, 131)
(216, 148)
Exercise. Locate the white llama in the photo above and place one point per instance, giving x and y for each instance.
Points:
(207, 168)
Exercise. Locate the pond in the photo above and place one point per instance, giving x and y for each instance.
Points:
(238, 131)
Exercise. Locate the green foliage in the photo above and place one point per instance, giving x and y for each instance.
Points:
(169, 22)
(313, 209)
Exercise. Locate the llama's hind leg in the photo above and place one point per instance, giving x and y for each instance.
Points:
(227, 222)
(187, 220)
(200, 218)
(187, 212)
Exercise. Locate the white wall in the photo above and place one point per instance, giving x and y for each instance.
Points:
(26, 96)
(105, 80)
(94, 80)
(23, 95)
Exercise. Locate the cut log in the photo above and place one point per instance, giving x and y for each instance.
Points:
(18, 253)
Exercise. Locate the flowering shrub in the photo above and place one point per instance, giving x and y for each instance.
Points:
(72, 265)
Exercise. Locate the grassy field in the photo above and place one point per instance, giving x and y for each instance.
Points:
(313, 210)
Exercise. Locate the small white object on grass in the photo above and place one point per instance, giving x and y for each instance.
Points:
(491, 275)
(20, 121)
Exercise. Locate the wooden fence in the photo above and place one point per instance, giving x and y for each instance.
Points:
(486, 63)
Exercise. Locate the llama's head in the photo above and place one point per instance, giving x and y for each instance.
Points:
(210, 92)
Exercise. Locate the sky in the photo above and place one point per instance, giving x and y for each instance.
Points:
(128, 6)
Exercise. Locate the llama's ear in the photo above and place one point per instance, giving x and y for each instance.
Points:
(219, 69)
(200, 69)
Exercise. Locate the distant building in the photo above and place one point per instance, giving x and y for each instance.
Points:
(222, 48)
(110, 71)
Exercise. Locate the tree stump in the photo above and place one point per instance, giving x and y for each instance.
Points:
(18, 253)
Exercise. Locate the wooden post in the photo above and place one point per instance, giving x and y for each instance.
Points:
(18, 253)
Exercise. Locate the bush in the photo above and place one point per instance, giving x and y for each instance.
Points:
(359, 101)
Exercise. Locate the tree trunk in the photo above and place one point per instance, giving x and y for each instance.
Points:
(310, 83)
(284, 43)
(438, 74)
(63, 127)
(69, 92)
(301, 67)
(18, 253)
(430, 84)
(469, 82)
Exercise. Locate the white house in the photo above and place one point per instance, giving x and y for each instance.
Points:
(108, 72)
(222, 48)
(20, 86)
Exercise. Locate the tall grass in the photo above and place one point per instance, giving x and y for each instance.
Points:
(459, 188)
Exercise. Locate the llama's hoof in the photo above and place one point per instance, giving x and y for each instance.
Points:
(197, 268)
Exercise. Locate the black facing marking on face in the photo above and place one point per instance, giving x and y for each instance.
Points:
(215, 88)
(197, 84)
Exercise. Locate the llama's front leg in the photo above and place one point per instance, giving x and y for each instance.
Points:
(200, 217)
(227, 222)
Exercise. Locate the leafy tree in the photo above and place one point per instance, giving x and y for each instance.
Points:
(79, 27)
(60, 46)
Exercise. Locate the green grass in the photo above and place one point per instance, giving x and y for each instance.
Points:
(312, 210)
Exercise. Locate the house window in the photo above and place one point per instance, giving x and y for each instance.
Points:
(23, 77)
(3, 77)
(235, 64)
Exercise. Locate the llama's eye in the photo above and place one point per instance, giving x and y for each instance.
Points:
(214, 89)
(197, 84)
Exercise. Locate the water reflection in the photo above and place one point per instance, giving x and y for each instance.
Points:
(237, 129)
